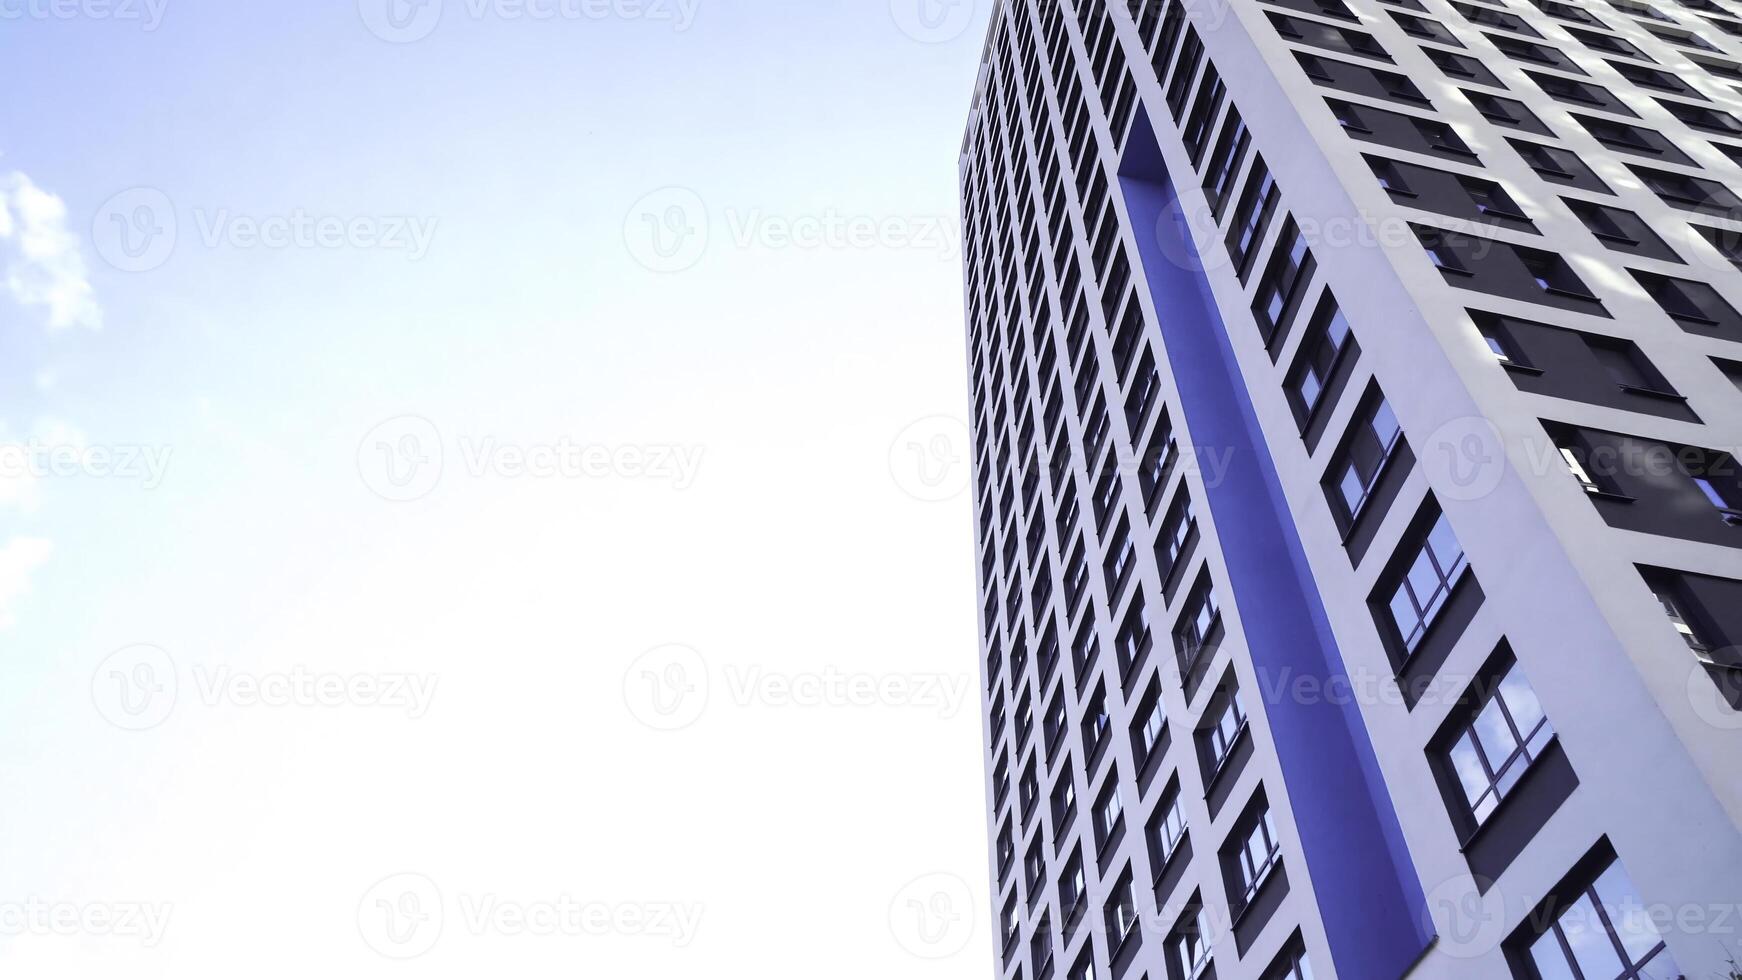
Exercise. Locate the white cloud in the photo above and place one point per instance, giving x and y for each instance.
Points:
(18, 560)
(42, 263)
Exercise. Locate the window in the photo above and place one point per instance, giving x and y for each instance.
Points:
(1189, 944)
(1166, 828)
(1690, 193)
(1033, 870)
(1291, 964)
(1254, 853)
(1373, 438)
(1175, 534)
(1121, 912)
(1290, 265)
(1327, 338)
(1147, 730)
(1558, 165)
(1687, 300)
(1109, 811)
(1490, 199)
(1054, 723)
(1727, 243)
(1116, 567)
(1064, 803)
(1621, 230)
(1192, 637)
(1072, 885)
(1040, 948)
(1257, 202)
(1222, 735)
(1605, 932)
(1507, 735)
(1416, 601)
(1095, 724)
(1010, 925)
(1085, 650)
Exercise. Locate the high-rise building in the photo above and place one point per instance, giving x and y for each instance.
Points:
(1355, 387)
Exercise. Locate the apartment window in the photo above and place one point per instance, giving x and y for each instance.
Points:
(1632, 139)
(1426, 30)
(1558, 165)
(1072, 888)
(1006, 849)
(1224, 733)
(1189, 944)
(1290, 265)
(1134, 638)
(1690, 193)
(1254, 853)
(1158, 458)
(1033, 870)
(1621, 230)
(1176, 533)
(1373, 438)
(1257, 202)
(1605, 931)
(1145, 392)
(1121, 912)
(1193, 636)
(1054, 724)
(1146, 731)
(1085, 650)
(1040, 948)
(1095, 724)
(1109, 812)
(1416, 601)
(1504, 739)
(1167, 827)
(1506, 112)
(1490, 199)
(1327, 339)
(1010, 925)
(1225, 162)
(1727, 243)
(1085, 968)
(1076, 580)
(1460, 66)
(1687, 300)
(1292, 964)
(1064, 802)
(1116, 567)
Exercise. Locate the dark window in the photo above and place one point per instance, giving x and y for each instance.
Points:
(1558, 165)
(1506, 734)
(1596, 927)
(1632, 139)
(1326, 340)
(1687, 300)
(1291, 264)
(1176, 533)
(1506, 112)
(1194, 637)
(1621, 230)
(1252, 852)
(1251, 216)
(1691, 193)
(1462, 66)
(1373, 439)
(1415, 599)
(1727, 242)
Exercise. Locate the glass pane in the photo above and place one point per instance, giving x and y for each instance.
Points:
(1627, 913)
(1469, 768)
(1521, 702)
(1352, 488)
(1445, 547)
(1404, 615)
(1550, 961)
(1592, 948)
(1496, 736)
(1385, 424)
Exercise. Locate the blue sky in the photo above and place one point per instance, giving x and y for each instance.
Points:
(378, 256)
